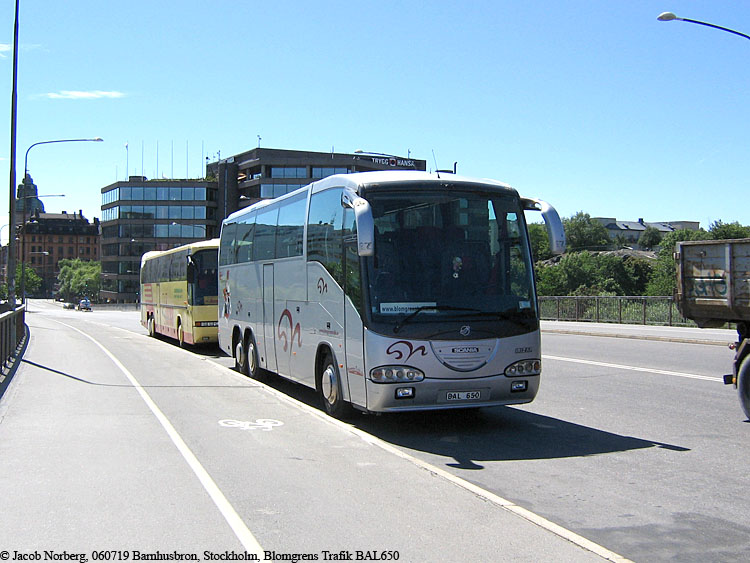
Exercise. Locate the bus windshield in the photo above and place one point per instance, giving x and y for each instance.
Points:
(449, 255)
(206, 286)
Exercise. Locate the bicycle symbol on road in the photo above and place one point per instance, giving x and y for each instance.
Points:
(265, 424)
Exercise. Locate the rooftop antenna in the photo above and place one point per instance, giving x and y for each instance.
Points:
(436, 166)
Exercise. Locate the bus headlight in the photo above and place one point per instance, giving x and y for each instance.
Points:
(395, 374)
(524, 368)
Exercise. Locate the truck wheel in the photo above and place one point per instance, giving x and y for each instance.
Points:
(743, 386)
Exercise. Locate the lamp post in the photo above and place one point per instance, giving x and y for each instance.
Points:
(25, 180)
(26, 158)
(669, 16)
(11, 273)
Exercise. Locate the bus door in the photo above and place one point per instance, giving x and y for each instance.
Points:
(353, 327)
(269, 342)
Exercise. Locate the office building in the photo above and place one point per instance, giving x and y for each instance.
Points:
(142, 215)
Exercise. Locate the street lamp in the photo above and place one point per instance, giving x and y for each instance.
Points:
(669, 16)
(26, 158)
(11, 256)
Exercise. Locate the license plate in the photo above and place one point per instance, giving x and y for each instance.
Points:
(463, 395)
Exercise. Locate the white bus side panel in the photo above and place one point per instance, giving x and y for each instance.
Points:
(324, 317)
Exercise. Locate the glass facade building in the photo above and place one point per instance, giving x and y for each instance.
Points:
(142, 215)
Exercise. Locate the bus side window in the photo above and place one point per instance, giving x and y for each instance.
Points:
(324, 231)
(228, 244)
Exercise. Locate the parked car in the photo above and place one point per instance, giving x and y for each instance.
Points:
(84, 305)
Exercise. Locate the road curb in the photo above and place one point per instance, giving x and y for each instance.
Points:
(638, 337)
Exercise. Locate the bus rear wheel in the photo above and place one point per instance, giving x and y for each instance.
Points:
(246, 357)
(329, 388)
(151, 327)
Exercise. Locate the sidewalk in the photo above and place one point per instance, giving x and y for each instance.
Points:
(685, 335)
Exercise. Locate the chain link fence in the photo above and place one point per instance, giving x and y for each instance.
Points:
(613, 309)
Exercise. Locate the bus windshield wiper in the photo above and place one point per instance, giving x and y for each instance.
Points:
(418, 310)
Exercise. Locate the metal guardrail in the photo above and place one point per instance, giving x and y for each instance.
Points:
(613, 309)
(12, 332)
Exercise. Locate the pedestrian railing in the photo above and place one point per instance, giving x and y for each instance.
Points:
(613, 309)
(12, 331)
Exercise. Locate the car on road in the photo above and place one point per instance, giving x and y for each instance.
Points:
(84, 305)
(68, 306)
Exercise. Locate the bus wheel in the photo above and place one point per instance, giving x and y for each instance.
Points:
(240, 361)
(251, 358)
(743, 385)
(181, 335)
(330, 390)
(151, 328)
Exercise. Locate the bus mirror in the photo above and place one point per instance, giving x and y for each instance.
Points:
(365, 223)
(555, 230)
(190, 270)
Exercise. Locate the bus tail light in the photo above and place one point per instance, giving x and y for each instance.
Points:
(524, 368)
(395, 374)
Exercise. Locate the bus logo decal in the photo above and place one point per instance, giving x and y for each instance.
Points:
(282, 333)
(397, 349)
(322, 286)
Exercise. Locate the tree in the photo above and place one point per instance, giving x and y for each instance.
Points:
(650, 238)
(663, 278)
(584, 273)
(79, 278)
(539, 241)
(584, 233)
(32, 283)
(722, 231)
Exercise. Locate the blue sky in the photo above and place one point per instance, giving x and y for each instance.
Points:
(594, 105)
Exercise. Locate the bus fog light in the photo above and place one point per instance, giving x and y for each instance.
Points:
(405, 393)
(395, 374)
(519, 386)
(524, 367)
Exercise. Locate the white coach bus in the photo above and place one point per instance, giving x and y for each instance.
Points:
(387, 291)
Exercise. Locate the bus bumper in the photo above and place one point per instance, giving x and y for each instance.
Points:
(432, 394)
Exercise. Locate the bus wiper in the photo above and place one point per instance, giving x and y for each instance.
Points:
(418, 310)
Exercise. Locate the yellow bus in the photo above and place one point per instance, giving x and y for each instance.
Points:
(179, 292)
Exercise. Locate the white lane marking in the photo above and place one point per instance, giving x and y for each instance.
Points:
(633, 368)
(243, 534)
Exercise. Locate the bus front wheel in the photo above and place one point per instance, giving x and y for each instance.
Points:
(180, 335)
(330, 389)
